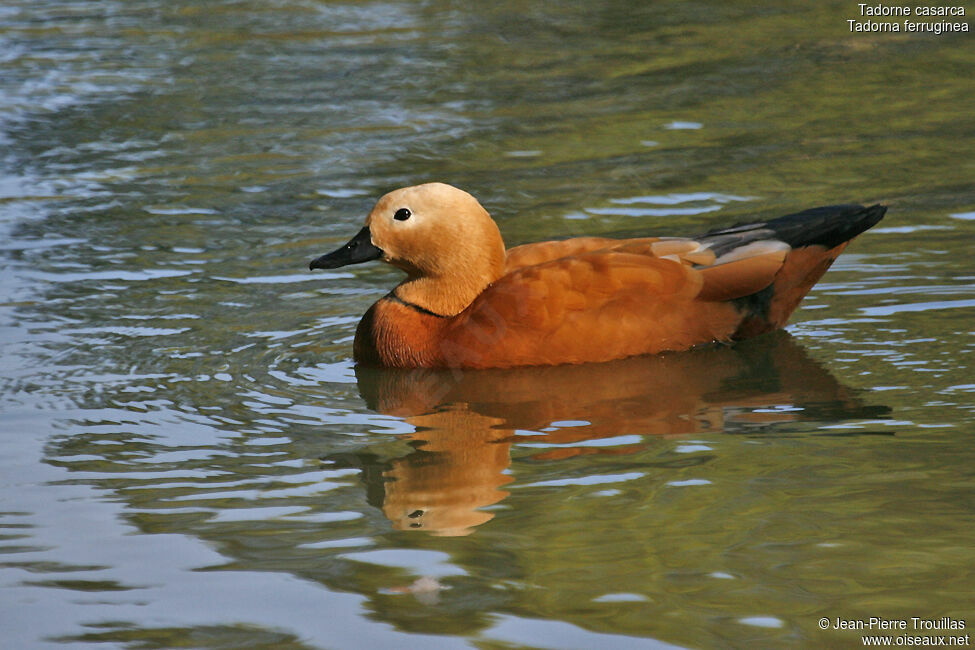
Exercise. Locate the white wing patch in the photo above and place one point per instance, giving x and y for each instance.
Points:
(753, 249)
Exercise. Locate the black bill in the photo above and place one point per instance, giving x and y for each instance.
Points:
(358, 250)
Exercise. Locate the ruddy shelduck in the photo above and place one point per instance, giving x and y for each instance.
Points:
(468, 303)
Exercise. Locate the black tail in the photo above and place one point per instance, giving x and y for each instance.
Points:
(828, 226)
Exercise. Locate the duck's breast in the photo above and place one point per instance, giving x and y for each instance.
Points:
(397, 335)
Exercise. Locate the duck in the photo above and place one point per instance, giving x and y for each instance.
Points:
(468, 302)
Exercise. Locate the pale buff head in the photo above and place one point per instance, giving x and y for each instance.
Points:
(441, 236)
(435, 230)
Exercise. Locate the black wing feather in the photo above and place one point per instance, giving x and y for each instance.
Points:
(827, 226)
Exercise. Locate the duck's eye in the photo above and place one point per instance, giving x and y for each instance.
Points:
(402, 214)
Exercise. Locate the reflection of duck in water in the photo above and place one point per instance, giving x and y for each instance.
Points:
(456, 469)
(467, 302)
(467, 421)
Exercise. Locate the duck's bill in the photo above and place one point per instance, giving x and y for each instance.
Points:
(359, 249)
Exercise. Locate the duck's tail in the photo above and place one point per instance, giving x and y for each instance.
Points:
(815, 238)
(827, 226)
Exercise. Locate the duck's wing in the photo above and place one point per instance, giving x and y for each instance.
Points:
(594, 306)
(811, 239)
(607, 299)
(540, 252)
(827, 227)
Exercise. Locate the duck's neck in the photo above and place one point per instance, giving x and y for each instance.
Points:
(448, 285)
(445, 296)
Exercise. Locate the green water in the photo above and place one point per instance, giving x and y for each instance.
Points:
(189, 457)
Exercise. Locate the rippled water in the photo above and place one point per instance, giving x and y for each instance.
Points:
(190, 458)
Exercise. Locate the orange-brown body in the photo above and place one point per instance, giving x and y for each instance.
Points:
(468, 303)
(585, 308)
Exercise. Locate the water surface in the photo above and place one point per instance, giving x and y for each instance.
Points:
(190, 458)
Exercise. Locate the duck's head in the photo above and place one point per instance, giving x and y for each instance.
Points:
(446, 242)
